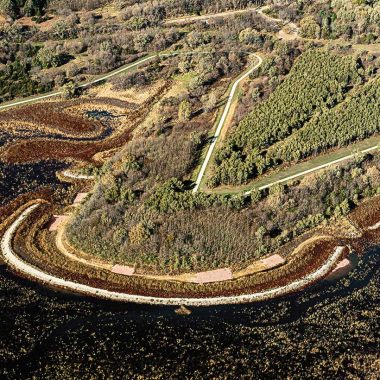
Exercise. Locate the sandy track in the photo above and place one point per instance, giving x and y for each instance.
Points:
(185, 19)
(101, 78)
(69, 174)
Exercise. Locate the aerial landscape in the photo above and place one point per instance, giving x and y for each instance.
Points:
(189, 189)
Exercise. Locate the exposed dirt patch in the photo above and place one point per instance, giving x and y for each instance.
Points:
(43, 26)
(132, 96)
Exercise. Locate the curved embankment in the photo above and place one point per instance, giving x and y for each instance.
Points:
(38, 274)
(69, 174)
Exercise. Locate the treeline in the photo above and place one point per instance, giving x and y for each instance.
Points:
(356, 19)
(72, 48)
(34, 60)
(150, 10)
(27, 67)
(23, 86)
(59, 6)
(203, 68)
(19, 8)
(158, 10)
(354, 119)
(318, 80)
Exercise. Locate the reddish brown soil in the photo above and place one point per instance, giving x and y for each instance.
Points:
(367, 214)
(52, 116)
(8, 210)
(36, 150)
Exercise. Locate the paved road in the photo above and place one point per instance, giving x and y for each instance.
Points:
(316, 168)
(38, 274)
(102, 78)
(222, 122)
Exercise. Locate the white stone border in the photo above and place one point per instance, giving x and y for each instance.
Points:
(69, 174)
(374, 227)
(39, 275)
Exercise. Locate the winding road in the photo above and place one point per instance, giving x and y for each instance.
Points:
(222, 121)
(37, 274)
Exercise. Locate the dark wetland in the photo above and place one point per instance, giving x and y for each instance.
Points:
(329, 331)
(18, 179)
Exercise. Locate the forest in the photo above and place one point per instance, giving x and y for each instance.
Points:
(318, 80)
(17, 8)
(351, 20)
(77, 39)
(66, 46)
(353, 120)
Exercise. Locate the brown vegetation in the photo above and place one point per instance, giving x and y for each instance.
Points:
(44, 149)
(51, 117)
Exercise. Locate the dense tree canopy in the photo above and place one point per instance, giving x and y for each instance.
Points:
(15, 8)
(318, 80)
(355, 119)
